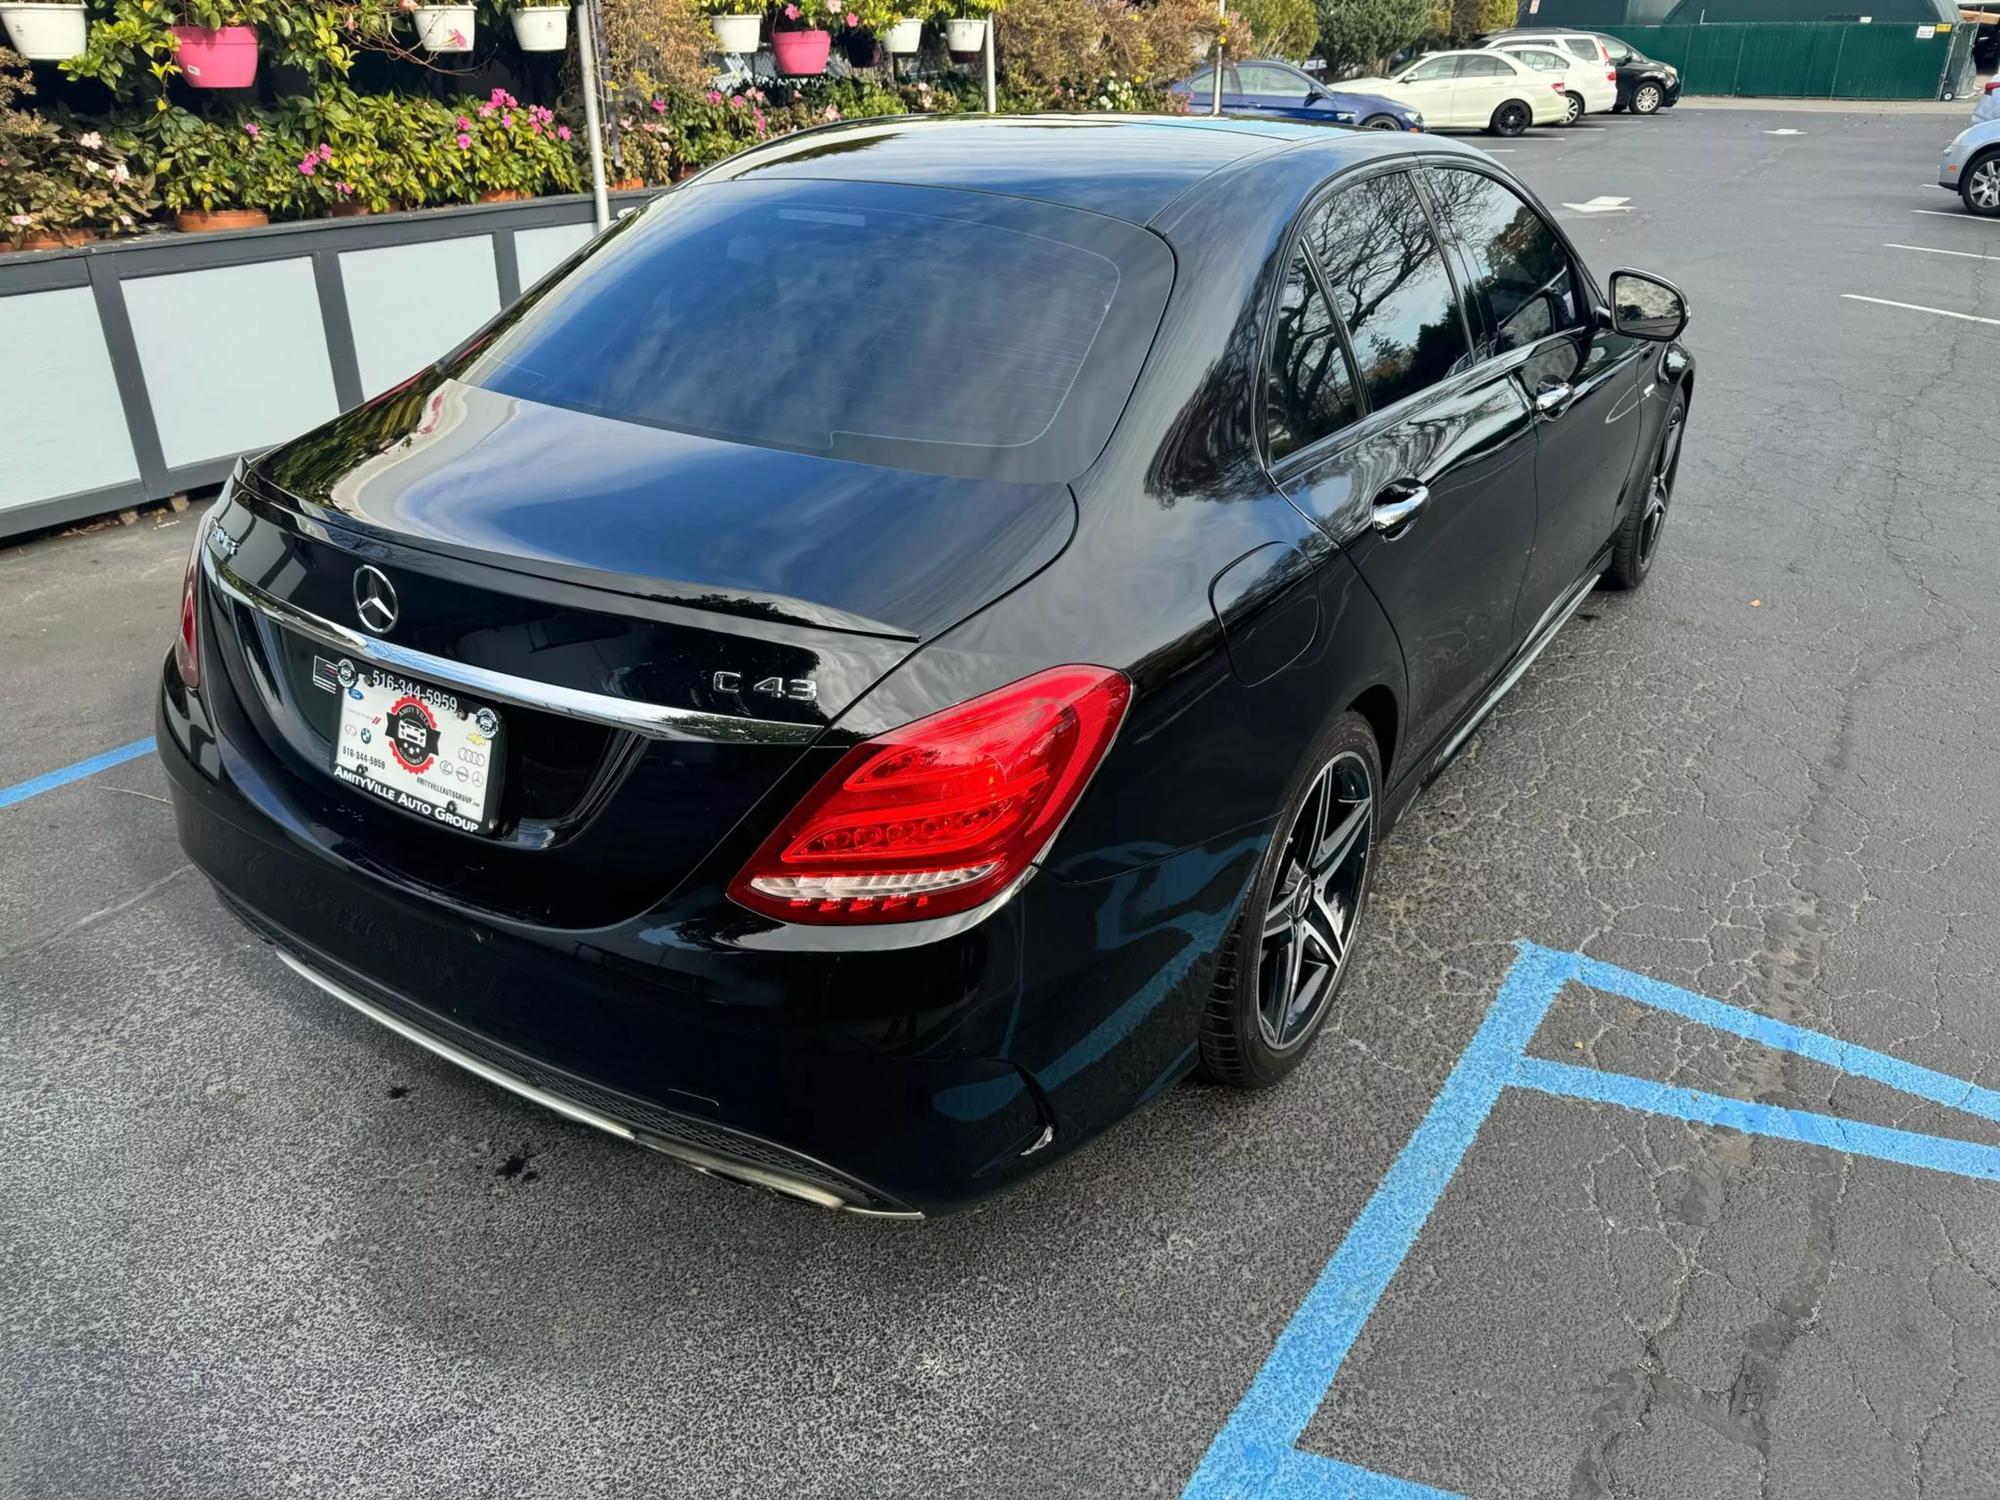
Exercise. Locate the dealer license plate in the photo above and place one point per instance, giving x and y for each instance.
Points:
(421, 748)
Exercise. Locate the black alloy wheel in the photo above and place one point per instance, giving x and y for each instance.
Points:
(1511, 118)
(1646, 99)
(1285, 961)
(1638, 540)
(1573, 108)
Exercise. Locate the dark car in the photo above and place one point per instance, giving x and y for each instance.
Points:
(1277, 90)
(1645, 85)
(866, 756)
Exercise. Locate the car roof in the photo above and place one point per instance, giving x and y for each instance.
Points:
(1126, 166)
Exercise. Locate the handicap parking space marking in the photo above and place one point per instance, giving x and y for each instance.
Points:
(1602, 204)
(21, 791)
(1941, 312)
(1257, 1455)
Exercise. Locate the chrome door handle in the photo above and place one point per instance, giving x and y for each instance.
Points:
(1396, 506)
(1554, 400)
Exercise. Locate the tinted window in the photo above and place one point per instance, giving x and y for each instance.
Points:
(1582, 48)
(1308, 390)
(1483, 67)
(1430, 72)
(1390, 286)
(1261, 78)
(742, 313)
(1522, 286)
(1539, 58)
(1205, 79)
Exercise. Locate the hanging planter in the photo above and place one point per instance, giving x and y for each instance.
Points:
(216, 57)
(904, 37)
(541, 28)
(209, 220)
(45, 33)
(965, 36)
(736, 34)
(444, 28)
(801, 54)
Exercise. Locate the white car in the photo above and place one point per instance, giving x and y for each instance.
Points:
(1593, 87)
(1474, 90)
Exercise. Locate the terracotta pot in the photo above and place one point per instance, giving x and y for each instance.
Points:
(220, 57)
(352, 209)
(53, 239)
(208, 221)
(683, 173)
(502, 195)
(626, 184)
(801, 53)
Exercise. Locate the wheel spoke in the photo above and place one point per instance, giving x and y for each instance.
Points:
(1330, 854)
(1323, 929)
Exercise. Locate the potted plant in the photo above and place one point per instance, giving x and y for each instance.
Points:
(442, 28)
(800, 40)
(218, 174)
(215, 44)
(645, 146)
(513, 150)
(903, 36)
(540, 25)
(736, 29)
(60, 185)
(966, 32)
(45, 30)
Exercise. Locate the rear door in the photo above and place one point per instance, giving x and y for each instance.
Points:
(1485, 81)
(1427, 478)
(1530, 304)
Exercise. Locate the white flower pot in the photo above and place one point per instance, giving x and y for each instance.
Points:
(965, 36)
(737, 34)
(45, 33)
(904, 37)
(444, 28)
(541, 28)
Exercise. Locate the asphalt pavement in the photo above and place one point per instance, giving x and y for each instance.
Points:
(254, 1246)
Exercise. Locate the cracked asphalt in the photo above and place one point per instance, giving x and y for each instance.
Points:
(254, 1246)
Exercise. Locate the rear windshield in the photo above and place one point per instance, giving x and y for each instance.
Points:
(912, 327)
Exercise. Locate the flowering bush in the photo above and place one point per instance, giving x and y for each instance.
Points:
(646, 142)
(56, 179)
(245, 161)
(810, 15)
(514, 147)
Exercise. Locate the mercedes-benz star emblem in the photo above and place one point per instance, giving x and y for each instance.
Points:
(374, 599)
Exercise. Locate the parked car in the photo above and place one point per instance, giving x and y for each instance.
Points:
(1593, 86)
(1475, 90)
(870, 768)
(1986, 103)
(1269, 87)
(1645, 86)
(1970, 167)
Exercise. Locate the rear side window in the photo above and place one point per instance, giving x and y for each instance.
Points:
(1522, 286)
(1390, 287)
(1308, 389)
(1583, 47)
(1483, 67)
(1430, 72)
(1540, 59)
(742, 313)
(1261, 78)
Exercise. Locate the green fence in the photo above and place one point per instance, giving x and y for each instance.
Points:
(1813, 59)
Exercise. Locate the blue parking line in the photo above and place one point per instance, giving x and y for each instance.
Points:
(21, 791)
(1256, 1455)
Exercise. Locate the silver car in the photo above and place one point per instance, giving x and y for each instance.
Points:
(1970, 167)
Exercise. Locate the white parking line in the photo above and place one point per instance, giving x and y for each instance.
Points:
(1950, 213)
(1929, 250)
(1942, 312)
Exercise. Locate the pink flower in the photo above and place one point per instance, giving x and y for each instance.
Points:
(737, 102)
(20, 221)
(714, 97)
(464, 141)
(508, 119)
(487, 111)
(308, 166)
(659, 106)
(562, 132)
(126, 220)
(758, 95)
(325, 151)
(121, 173)
(345, 189)
(833, 5)
(791, 12)
(463, 123)
(250, 128)
(457, 39)
(853, 19)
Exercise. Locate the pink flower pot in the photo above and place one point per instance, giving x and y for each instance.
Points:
(801, 53)
(223, 57)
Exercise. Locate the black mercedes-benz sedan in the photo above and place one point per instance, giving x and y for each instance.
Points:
(908, 646)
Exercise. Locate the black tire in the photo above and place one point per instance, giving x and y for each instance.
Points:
(1638, 539)
(1270, 1000)
(1646, 98)
(1510, 119)
(1979, 185)
(1575, 105)
(1381, 122)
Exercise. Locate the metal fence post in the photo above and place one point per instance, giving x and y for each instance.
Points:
(586, 51)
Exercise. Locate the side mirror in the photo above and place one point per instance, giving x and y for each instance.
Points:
(1645, 307)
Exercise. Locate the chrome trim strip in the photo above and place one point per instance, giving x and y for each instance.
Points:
(1520, 668)
(689, 1156)
(655, 721)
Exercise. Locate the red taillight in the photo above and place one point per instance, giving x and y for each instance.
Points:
(1612, 76)
(1994, 86)
(1560, 87)
(944, 813)
(187, 642)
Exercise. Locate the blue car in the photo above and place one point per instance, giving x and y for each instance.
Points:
(1281, 91)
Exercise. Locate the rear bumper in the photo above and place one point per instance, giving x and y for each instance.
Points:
(797, 1082)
